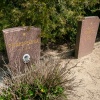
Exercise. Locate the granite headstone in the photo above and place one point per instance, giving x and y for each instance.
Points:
(87, 31)
(23, 46)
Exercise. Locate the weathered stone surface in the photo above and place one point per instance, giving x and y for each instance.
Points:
(87, 31)
(20, 41)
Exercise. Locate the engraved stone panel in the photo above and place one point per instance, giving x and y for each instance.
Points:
(87, 31)
(23, 46)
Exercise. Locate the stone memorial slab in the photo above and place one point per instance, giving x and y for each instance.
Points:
(87, 31)
(23, 46)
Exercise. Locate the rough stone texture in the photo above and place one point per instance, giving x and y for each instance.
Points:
(87, 31)
(20, 41)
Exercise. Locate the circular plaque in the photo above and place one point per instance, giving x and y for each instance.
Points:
(26, 58)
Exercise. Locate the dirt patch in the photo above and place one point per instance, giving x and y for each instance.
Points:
(86, 69)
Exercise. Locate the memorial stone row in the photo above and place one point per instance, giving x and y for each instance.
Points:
(23, 43)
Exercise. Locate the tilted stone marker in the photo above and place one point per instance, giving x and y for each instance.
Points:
(87, 31)
(23, 46)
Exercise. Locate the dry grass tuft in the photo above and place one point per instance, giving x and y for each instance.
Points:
(49, 81)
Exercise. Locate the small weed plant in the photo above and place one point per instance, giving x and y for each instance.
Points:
(46, 82)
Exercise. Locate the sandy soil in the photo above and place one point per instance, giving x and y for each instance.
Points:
(86, 69)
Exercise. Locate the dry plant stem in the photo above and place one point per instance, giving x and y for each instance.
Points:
(49, 74)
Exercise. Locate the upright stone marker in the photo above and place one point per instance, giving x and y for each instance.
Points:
(87, 31)
(23, 46)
